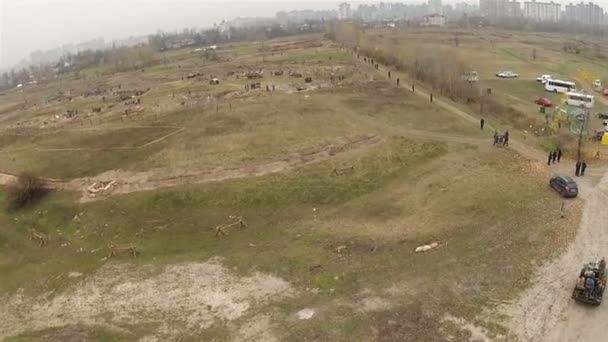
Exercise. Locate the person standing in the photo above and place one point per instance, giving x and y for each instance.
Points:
(559, 154)
(389, 74)
(583, 168)
(495, 138)
(431, 97)
(413, 88)
(562, 209)
(578, 168)
(553, 157)
(482, 122)
(397, 81)
(549, 158)
(506, 141)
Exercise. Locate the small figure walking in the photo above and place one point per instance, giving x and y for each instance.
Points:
(413, 88)
(431, 97)
(553, 157)
(397, 82)
(506, 141)
(578, 167)
(481, 123)
(562, 209)
(549, 158)
(559, 154)
(583, 168)
(389, 74)
(495, 138)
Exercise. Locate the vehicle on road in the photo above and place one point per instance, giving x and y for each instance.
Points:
(543, 101)
(564, 185)
(591, 283)
(506, 74)
(543, 78)
(580, 100)
(603, 116)
(559, 86)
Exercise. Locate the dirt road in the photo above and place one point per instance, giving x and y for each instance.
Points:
(545, 311)
(128, 182)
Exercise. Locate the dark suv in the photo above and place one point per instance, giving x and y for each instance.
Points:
(565, 185)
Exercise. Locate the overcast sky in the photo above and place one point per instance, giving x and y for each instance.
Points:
(28, 25)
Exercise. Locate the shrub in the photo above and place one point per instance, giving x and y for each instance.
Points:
(27, 190)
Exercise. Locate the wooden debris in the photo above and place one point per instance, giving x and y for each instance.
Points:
(340, 249)
(130, 249)
(101, 187)
(425, 248)
(35, 236)
(220, 230)
(343, 171)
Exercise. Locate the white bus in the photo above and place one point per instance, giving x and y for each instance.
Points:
(579, 100)
(559, 86)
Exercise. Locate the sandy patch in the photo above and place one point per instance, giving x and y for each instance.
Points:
(478, 334)
(191, 296)
(257, 329)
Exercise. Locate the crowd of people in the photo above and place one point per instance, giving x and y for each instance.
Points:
(555, 155)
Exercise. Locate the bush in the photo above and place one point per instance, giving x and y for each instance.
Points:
(27, 190)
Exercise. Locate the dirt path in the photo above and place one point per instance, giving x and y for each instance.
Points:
(521, 148)
(128, 182)
(545, 311)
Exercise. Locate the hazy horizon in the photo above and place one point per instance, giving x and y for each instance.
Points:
(73, 21)
(30, 25)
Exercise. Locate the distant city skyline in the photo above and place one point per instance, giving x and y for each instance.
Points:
(61, 22)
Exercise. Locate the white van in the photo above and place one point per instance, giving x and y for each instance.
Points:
(559, 86)
(580, 100)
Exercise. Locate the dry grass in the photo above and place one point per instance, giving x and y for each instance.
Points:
(491, 209)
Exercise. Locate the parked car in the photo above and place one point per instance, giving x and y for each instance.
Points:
(506, 74)
(543, 101)
(565, 185)
(603, 116)
(543, 78)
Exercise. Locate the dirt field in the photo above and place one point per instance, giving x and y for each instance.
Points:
(336, 184)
